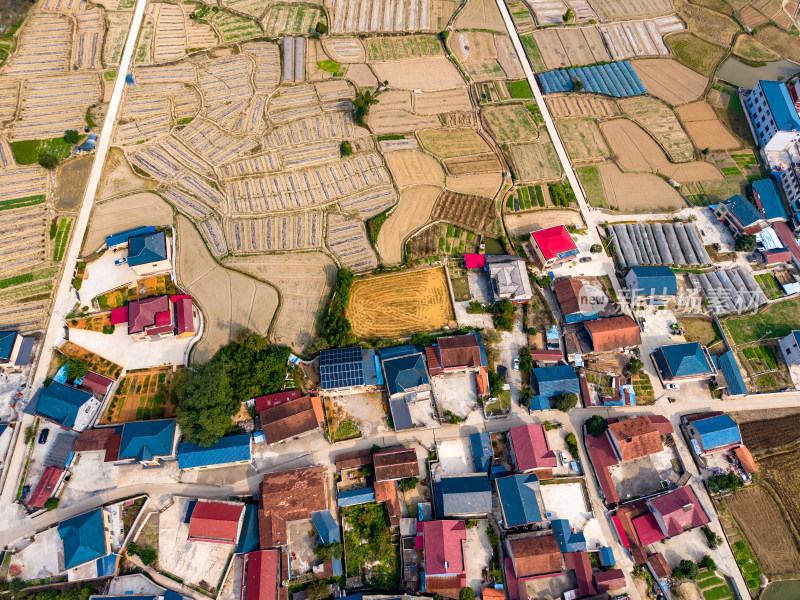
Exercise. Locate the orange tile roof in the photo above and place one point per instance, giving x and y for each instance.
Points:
(744, 456)
(535, 555)
(289, 496)
(613, 333)
(636, 437)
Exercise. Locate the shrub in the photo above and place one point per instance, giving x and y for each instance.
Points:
(345, 148)
(708, 563)
(466, 593)
(565, 402)
(525, 360)
(76, 369)
(525, 396)
(321, 28)
(29, 433)
(568, 16)
(51, 503)
(148, 555)
(745, 243)
(71, 136)
(596, 249)
(572, 444)
(496, 383)
(727, 482)
(48, 161)
(687, 569)
(408, 483)
(635, 365)
(596, 426)
(711, 537)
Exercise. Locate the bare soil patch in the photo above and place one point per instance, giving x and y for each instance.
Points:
(117, 215)
(481, 184)
(633, 148)
(582, 140)
(427, 74)
(660, 121)
(523, 223)
(670, 80)
(449, 143)
(411, 213)
(361, 75)
(595, 107)
(693, 171)
(119, 178)
(412, 167)
(304, 281)
(704, 128)
(480, 14)
(401, 304)
(432, 103)
(638, 192)
(470, 212)
(475, 163)
(780, 42)
(71, 182)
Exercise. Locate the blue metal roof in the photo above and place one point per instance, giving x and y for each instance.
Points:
(230, 449)
(717, 432)
(107, 565)
(404, 373)
(144, 440)
(553, 381)
(463, 494)
(248, 538)
(540, 403)
(554, 373)
(567, 540)
(401, 415)
(372, 368)
(617, 79)
(147, 248)
(61, 404)
(744, 211)
(326, 526)
(482, 452)
(518, 497)
(607, 557)
(733, 375)
(396, 351)
(770, 197)
(780, 105)
(341, 368)
(122, 237)
(83, 538)
(7, 343)
(660, 279)
(359, 496)
(682, 360)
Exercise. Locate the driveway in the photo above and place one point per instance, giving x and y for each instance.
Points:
(103, 275)
(121, 348)
(510, 344)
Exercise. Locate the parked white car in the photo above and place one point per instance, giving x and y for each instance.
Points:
(672, 386)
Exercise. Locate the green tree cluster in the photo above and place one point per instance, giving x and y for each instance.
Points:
(726, 482)
(345, 148)
(71, 136)
(336, 329)
(76, 369)
(687, 569)
(635, 365)
(361, 104)
(48, 161)
(503, 314)
(496, 383)
(466, 593)
(525, 360)
(596, 426)
(568, 16)
(408, 483)
(566, 401)
(745, 243)
(325, 552)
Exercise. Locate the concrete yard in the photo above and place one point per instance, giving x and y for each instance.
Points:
(422, 413)
(301, 547)
(367, 409)
(551, 588)
(644, 475)
(123, 349)
(455, 457)
(198, 563)
(103, 275)
(477, 554)
(456, 392)
(566, 501)
(41, 558)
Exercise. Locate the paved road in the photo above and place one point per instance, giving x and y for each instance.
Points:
(65, 297)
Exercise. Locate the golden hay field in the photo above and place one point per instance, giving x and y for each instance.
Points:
(402, 304)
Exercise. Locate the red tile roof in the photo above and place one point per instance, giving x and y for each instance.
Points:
(96, 383)
(680, 510)
(93, 439)
(163, 318)
(184, 315)
(482, 381)
(261, 580)
(787, 238)
(744, 456)
(119, 315)
(610, 580)
(289, 496)
(661, 423)
(432, 356)
(112, 447)
(292, 418)
(531, 447)
(659, 565)
(265, 402)
(553, 241)
(547, 355)
(647, 529)
(620, 532)
(386, 492)
(353, 459)
(46, 487)
(459, 352)
(396, 464)
(636, 438)
(443, 543)
(579, 562)
(613, 333)
(567, 293)
(602, 457)
(142, 313)
(215, 522)
(535, 555)
(475, 261)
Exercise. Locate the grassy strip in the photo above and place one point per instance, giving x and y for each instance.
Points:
(519, 89)
(534, 55)
(62, 237)
(22, 202)
(331, 66)
(592, 185)
(25, 278)
(27, 152)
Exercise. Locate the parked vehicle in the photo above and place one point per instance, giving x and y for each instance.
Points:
(586, 259)
(43, 435)
(121, 261)
(516, 363)
(672, 386)
(645, 326)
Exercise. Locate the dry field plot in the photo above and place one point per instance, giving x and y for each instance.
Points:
(345, 50)
(760, 519)
(638, 192)
(782, 473)
(431, 103)
(613, 10)
(547, 12)
(751, 49)
(426, 74)
(391, 306)
(670, 81)
(448, 143)
(485, 56)
(352, 16)
(125, 213)
(707, 24)
(481, 184)
(752, 18)
(572, 46)
(479, 14)
(228, 300)
(582, 140)
(71, 181)
(534, 162)
(777, 11)
(780, 42)
(639, 38)
(290, 19)
(704, 128)
(474, 163)
(411, 213)
(594, 107)
(44, 47)
(523, 223)
(50, 106)
(510, 123)
(413, 167)
(347, 239)
(660, 122)
(469, 212)
(403, 48)
(304, 281)
(286, 231)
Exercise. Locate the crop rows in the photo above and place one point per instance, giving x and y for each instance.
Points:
(469, 212)
(213, 144)
(253, 165)
(61, 239)
(90, 39)
(142, 129)
(9, 94)
(213, 233)
(370, 202)
(226, 79)
(50, 106)
(20, 182)
(179, 73)
(381, 15)
(295, 231)
(202, 189)
(186, 203)
(347, 239)
(170, 33)
(267, 74)
(44, 49)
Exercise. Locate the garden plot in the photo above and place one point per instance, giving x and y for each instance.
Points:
(117, 30)
(582, 9)
(119, 178)
(636, 39)
(251, 8)
(144, 47)
(704, 128)
(233, 28)
(448, 143)
(170, 32)
(659, 121)
(402, 48)
(480, 184)
(370, 202)
(347, 239)
(226, 79)
(154, 121)
(389, 306)
(267, 74)
(570, 46)
(213, 144)
(474, 213)
(229, 300)
(414, 167)
(638, 192)
(752, 18)
(183, 72)
(393, 115)
(260, 163)
(613, 10)
(671, 81)
(431, 103)
(44, 47)
(779, 42)
(304, 280)
(485, 56)
(158, 159)
(345, 50)
(351, 16)
(582, 140)
(707, 24)
(411, 213)
(474, 163)
(534, 162)
(426, 74)
(329, 126)
(548, 12)
(510, 123)
(199, 34)
(28, 182)
(9, 96)
(50, 106)
(595, 107)
(292, 19)
(89, 41)
(290, 231)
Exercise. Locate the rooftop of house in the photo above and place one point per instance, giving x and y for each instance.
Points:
(579, 563)
(120, 238)
(147, 248)
(647, 529)
(46, 487)
(680, 510)
(465, 494)
(341, 368)
(718, 432)
(263, 568)
(401, 414)
(660, 279)
(146, 440)
(535, 555)
(228, 449)
(554, 241)
(148, 312)
(326, 526)
(97, 383)
(610, 580)
(61, 403)
(568, 294)
(83, 538)
(510, 279)
(291, 418)
(568, 540)
(396, 464)
(404, 373)
(270, 400)
(780, 105)
(215, 522)
(459, 351)
(682, 360)
(768, 197)
(289, 496)
(613, 332)
(443, 544)
(742, 210)
(554, 373)
(531, 447)
(481, 446)
(636, 438)
(7, 339)
(733, 374)
(602, 457)
(517, 494)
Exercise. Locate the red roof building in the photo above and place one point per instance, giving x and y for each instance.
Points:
(678, 511)
(459, 352)
(647, 529)
(530, 448)
(579, 562)
(216, 522)
(634, 438)
(534, 556)
(265, 402)
(613, 333)
(96, 383)
(744, 456)
(46, 487)
(119, 315)
(602, 457)
(474, 261)
(547, 355)
(184, 317)
(610, 580)
(661, 423)
(787, 238)
(260, 575)
(443, 544)
(553, 245)
(142, 313)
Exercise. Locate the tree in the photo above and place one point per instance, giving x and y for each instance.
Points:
(318, 589)
(321, 28)
(76, 369)
(566, 401)
(206, 403)
(572, 444)
(345, 148)
(525, 396)
(48, 161)
(596, 426)
(708, 563)
(568, 16)
(51, 503)
(15, 586)
(577, 86)
(596, 249)
(503, 314)
(466, 593)
(712, 538)
(525, 360)
(336, 328)
(375, 449)
(635, 365)
(745, 243)
(71, 136)
(408, 483)
(148, 555)
(496, 383)
(687, 569)
(325, 552)
(361, 104)
(726, 482)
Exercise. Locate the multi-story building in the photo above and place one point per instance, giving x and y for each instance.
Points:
(773, 115)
